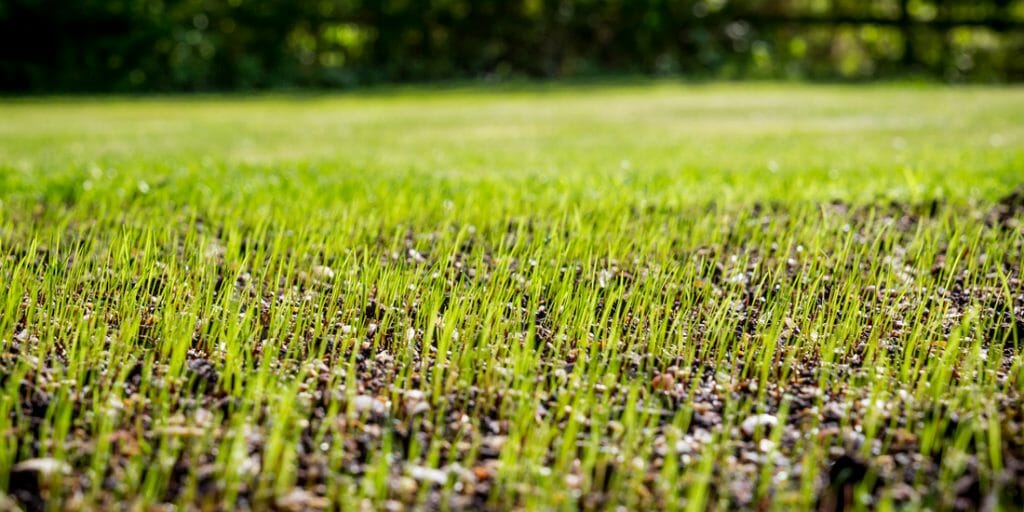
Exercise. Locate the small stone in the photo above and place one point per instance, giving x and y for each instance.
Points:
(663, 382)
(415, 402)
(366, 403)
(181, 431)
(419, 408)
(323, 272)
(203, 371)
(44, 467)
(702, 407)
(495, 443)
(300, 499)
(573, 481)
(902, 492)
(751, 424)
(685, 446)
(425, 474)
(406, 486)
(481, 473)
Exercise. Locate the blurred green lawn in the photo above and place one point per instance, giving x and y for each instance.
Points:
(728, 142)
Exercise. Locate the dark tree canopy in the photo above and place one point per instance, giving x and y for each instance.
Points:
(165, 45)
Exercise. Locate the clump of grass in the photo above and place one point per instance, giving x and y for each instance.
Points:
(662, 297)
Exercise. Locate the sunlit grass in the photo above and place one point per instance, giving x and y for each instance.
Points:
(650, 296)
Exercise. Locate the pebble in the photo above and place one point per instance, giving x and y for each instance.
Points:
(323, 272)
(45, 466)
(663, 382)
(367, 403)
(407, 486)
(425, 474)
(415, 402)
(300, 499)
(750, 425)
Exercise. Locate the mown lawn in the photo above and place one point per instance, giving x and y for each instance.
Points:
(654, 296)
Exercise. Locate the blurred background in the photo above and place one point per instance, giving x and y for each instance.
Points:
(209, 45)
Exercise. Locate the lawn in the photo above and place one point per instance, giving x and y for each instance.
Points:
(539, 297)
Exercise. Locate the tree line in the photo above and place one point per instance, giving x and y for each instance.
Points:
(175, 45)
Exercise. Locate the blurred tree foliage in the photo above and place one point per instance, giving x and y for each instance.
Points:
(163, 45)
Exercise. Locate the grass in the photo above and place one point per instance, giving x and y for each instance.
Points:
(683, 297)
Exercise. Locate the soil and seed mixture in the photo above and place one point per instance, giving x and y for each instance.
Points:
(196, 317)
(841, 376)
